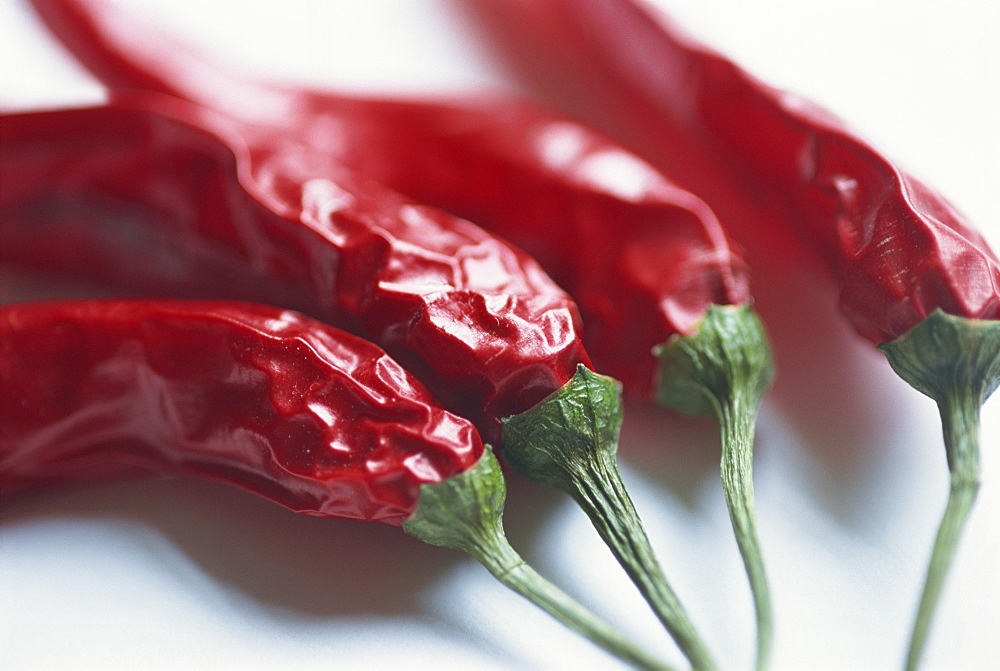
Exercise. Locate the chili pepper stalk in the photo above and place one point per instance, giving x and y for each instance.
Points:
(569, 441)
(465, 513)
(722, 371)
(956, 362)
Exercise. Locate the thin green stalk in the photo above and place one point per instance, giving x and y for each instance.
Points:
(737, 428)
(601, 494)
(961, 429)
(722, 371)
(507, 567)
(956, 362)
(465, 513)
(569, 441)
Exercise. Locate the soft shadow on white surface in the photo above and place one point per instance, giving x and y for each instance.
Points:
(850, 474)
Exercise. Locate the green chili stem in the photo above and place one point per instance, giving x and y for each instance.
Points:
(465, 512)
(569, 441)
(961, 430)
(956, 362)
(601, 494)
(506, 566)
(737, 428)
(722, 371)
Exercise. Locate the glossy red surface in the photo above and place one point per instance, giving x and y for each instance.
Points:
(317, 420)
(155, 202)
(780, 172)
(642, 257)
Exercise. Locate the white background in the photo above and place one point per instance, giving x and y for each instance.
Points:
(850, 474)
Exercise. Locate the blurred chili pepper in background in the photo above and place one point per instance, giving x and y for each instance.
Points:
(914, 277)
(666, 276)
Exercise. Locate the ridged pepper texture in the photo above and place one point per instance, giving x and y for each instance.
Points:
(787, 177)
(143, 195)
(266, 399)
(318, 420)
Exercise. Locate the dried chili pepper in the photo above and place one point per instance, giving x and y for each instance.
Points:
(667, 276)
(204, 213)
(157, 202)
(228, 390)
(914, 277)
(315, 419)
(545, 182)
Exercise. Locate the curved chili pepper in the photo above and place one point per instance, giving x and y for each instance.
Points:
(318, 420)
(193, 214)
(313, 418)
(553, 187)
(543, 181)
(914, 277)
(196, 210)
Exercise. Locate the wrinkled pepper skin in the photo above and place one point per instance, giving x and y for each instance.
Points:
(642, 258)
(774, 167)
(263, 398)
(789, 179)
(494, 352)
(154, 201)
(311, 417)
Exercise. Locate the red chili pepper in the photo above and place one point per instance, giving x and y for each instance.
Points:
(194, 214)
(313, 418)
(543, 181)
(320, 421)
(550, 185)
(159, 203)
(914, 277)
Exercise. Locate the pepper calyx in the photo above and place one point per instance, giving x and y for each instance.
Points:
(463, 512)
(944, 355)
(576, 423)
(729, 355)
